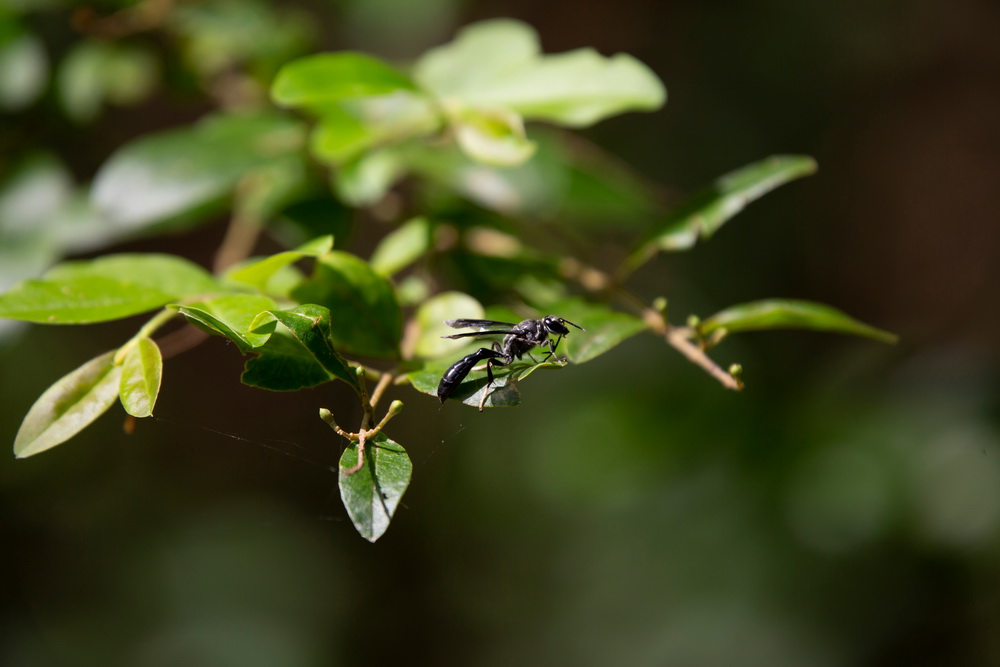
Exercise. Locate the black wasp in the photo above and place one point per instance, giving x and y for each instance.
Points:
(518, 340)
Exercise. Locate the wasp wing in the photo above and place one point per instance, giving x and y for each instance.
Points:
(491, 332)
(477, 324)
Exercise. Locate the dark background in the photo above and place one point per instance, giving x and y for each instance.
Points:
(843, 510)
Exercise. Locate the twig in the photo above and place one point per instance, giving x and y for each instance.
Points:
(595, 280)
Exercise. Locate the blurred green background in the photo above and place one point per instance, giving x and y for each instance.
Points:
(843, 510)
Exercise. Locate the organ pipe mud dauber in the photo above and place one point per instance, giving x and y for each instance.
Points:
(518, 340)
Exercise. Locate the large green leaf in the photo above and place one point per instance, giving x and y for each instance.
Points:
(703, 214)
(69, 406)
(179, 172)
(498, 64)
(364, 315)
(790, 314)
(81, 300)
(142, 371)
(371, 495)
(311, 326)
(315, 82)
(167, 273)
(104, 289)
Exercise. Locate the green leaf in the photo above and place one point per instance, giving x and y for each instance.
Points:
(502, 394)
(498, 64)
(401, 247)
(703, 214)
(257, 273)
(431, 317)
(232, 316)
(315, 82)
(365, 180)
(103, 289)
(182, 172)
(364, 315)
(311, 326)
(493, 137)
(284, 364)
(169, 274)
(790, 314)
(372, 494)
(69, 406)
(605, 329)
(142, 371)
(349, 128)
(83, 300)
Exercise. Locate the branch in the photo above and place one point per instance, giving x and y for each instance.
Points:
(680, 338)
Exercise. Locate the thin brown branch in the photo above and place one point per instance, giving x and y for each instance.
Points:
(383, 383)
(680, 338)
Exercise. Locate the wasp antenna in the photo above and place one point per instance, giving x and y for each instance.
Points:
(575, 325)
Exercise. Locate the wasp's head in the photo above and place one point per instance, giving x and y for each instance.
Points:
(557, 325)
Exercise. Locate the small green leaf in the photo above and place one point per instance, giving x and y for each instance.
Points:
(366, 180)
(142, 371)
(311, 326)
(317, 81)
(493, 137)
(431, 317)
(790, 314)
(401, 247)
(364, 315)
(605, 329)
(231, 316)
(69, 406)
(371, 495)
(183, 172)
(284, 364)
(257, 273)
(703, 214)
(498, 64)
